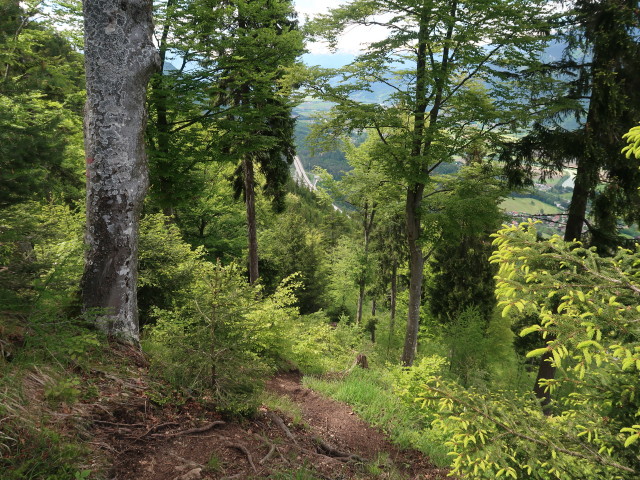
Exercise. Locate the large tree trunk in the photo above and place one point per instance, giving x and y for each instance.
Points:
(416, 263)
(250, 203)
(119, 59)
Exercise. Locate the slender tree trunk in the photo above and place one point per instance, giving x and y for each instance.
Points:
(414, 199)
(394, 295)
(361, 285)
(373, 307)
(546, 371)
(416, 263)
(119, 59)
(392, 306)
(250, 203)
(159, 93)
(367, 223)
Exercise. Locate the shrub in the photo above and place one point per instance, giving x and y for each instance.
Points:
(587, 308)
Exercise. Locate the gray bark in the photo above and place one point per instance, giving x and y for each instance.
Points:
(119, 60)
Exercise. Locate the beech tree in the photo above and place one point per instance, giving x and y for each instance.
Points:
(119, 60)
(452, 70)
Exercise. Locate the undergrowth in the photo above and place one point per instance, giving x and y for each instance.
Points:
(39, 387)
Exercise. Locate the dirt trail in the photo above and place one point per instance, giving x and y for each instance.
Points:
(192, 444)
(338, 424)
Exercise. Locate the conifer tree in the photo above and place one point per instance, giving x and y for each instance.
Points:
(599, 79)
(40, 108)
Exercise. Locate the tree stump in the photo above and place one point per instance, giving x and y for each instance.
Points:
(361, 361)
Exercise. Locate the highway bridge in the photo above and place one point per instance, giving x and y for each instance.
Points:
(300, 176)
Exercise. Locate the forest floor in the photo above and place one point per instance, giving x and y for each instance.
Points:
(135, 439)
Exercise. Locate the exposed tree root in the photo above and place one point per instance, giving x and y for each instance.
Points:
(268, 456)
(155, 428)
(115, 424)
(191, 431)
(280, 423)
(335, 453)
(244, 450)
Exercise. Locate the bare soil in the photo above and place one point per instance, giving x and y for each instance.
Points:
(146, 442)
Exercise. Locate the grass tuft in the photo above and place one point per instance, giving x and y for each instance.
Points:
(284, 405)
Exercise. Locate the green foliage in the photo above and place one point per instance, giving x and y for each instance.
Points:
(63, 390)
(466, 338)
(41, 248)
(586, 306)
(214, 464)
(374, 204)
(343, 276)
(236, 106)
(293, 243)
(462, 276)
(41, 100)
(633, 139)
(220, 337)
(302, 473)
(202, 345)
(166, 264)
(31, 446)
(207, 218)
(30, 453)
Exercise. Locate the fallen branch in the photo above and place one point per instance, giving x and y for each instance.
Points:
(190, 431)
(244, 450)
(280, 423)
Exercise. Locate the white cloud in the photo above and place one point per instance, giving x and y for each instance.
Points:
(353, 41)
(314, 7)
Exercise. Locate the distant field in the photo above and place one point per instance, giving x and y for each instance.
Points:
(312, 106)
(528, 205)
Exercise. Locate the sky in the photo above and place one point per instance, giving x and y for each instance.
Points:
(351, 42)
